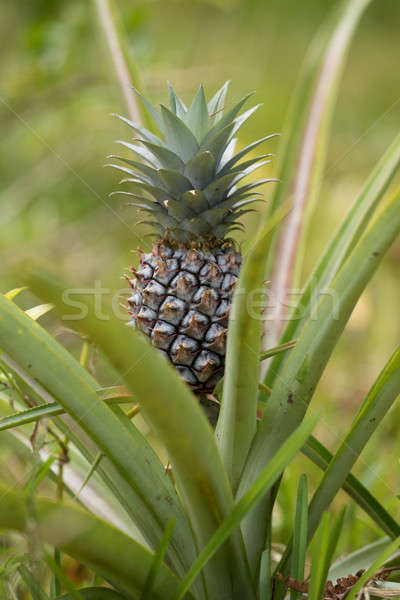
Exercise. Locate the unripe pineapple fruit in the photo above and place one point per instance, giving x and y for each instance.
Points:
(188, 182)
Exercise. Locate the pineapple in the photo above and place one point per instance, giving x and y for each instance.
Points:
(188, 183)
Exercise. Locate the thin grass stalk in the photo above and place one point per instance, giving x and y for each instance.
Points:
(311, 155)
(106, 13)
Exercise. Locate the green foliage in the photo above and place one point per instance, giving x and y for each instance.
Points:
(157, 505)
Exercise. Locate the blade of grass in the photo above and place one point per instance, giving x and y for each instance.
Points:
(31, 415)
(170, 408)
(323, 549)
(238, 416)
(360, 559)
(110, 495)
(265, 589)
(277, 350)
(372, 569)
(375, 406)
(340, 246)
(50, 364)
(93, 468)
(13, 293)
(38, 311)
(298, 558)
(61, 576)
(304, 153)
(321, 456)
(32, 584)
(258, 490)
(294, 389)
(157, 561)
(38, 475)
(55, 584)
(124, 75)
(91, 541)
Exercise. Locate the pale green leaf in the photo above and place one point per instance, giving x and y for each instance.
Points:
(38, 311)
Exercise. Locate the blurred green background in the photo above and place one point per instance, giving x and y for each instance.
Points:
(57, 90)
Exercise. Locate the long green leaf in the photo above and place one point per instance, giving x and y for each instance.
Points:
(157, 562)
(48, 362)
(305, 145)
(360, 559)
(297, 567)
(322, 552)
(124, 71)
(265, 589)
(375, 406)
(340, 246)
(238, 416)
(91, 541)
(372, 569)
(32, 584)
(258, 490)
(178, 420)
(293, 391)
(52, 409)
(321, 456)
(108, 494)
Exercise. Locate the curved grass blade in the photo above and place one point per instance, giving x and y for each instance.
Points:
(277, 350)
(46, 360)
(32, 584)
(294, 389)
(258, 490)
(91, 541)
(170, 408)
(157, 562)
(38, 311)
(375, 406)
(305, 146)
(238, 416)
(38, 475)
(31, 415)
(55, 567)
(372, 569)
(360, 559)
(107, 494)
(124, 74)
(340, 246)
(321, 456)
(13, 293)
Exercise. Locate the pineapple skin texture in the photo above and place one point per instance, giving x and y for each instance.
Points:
(181, 300)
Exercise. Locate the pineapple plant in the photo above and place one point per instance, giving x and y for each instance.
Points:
(190, 183)
(210, 530)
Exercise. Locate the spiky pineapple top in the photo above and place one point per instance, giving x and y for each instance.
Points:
(189, 183)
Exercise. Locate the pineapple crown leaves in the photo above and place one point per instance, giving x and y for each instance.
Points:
(187, 177)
